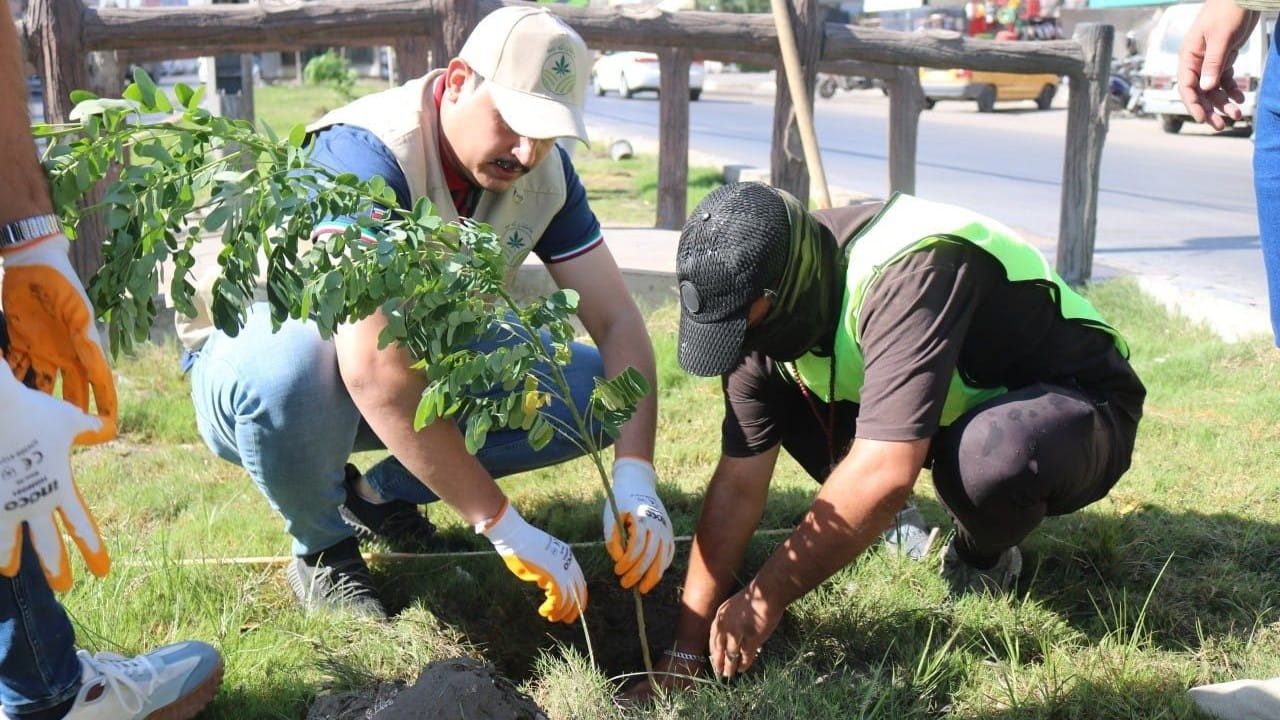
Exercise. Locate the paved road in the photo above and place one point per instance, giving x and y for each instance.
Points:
(1175, 210)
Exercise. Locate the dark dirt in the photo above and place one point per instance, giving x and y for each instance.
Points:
(451, 689)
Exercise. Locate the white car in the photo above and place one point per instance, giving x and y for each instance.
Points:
(629, 72)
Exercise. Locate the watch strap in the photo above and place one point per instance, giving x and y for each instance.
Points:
(27, 229)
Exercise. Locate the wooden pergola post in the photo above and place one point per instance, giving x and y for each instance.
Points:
(787, 166)
(673, 137)
(1087, 118)
(412, 58)
(906, 100)
(56, 30)
(457, 18)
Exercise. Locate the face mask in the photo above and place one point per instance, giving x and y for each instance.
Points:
(805, 298)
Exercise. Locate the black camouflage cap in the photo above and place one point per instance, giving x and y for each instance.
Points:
(733, 247)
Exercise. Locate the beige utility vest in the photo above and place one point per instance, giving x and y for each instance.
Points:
(406, 121)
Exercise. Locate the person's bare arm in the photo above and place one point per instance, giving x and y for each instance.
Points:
(731, 512)
(25, 192)
(386, 390)
(1206, 81)
(856, 503)
(615, 324)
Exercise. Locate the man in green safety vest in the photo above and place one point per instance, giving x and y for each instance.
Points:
(870, 342)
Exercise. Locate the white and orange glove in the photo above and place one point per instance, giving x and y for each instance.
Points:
(537, 557)
(650, 542)
(51, 331)
(36, 433)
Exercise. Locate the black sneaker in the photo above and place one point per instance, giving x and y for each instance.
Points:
(397, 523)
(336, 578)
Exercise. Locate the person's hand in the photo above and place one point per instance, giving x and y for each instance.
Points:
(669, 673)
(536, 557)
(1206, 80)
(742, 624)
(650, 544)
(36, 432)
(51, 332)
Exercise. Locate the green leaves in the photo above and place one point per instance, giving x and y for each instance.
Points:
(491, 364)
(614, 401)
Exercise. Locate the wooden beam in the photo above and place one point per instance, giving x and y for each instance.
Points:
(673, 138)
(1087, 118)
(949, 49)
(256, 27)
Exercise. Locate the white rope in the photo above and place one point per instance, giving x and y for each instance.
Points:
(383, 557)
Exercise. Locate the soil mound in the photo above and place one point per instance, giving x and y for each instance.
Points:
(454, 689)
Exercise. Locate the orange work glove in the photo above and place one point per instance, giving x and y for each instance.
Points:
(51, 331)
(36, 432)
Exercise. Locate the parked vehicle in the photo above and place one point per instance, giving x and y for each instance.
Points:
(1125, 86)
(828, 83)
(986, 88)
(629, 72)
(1160, 69)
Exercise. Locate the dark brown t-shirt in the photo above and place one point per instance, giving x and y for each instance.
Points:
(947, 308)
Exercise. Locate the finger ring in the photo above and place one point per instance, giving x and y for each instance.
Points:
(733, 656)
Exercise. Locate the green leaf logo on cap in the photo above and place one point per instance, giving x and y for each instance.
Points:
(557, 72)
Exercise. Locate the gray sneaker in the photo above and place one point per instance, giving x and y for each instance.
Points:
(909, 533)
(965, 578)
(338, 579)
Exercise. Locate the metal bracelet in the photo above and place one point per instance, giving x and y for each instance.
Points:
(689, 657)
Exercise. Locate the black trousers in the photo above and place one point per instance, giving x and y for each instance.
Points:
(1002, 467)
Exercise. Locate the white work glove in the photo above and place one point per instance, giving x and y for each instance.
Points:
(650, 542)
(537, 557)
(36, 433)
(51, 331)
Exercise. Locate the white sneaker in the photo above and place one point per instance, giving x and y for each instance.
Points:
(174, 682)
(1240, 699)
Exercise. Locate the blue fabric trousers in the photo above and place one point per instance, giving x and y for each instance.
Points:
(1266, 178)
(275, 404)
(38, 665)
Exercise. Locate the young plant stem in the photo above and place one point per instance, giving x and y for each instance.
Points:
(594, 453)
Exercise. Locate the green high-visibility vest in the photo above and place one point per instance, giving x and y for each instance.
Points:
(906, 225)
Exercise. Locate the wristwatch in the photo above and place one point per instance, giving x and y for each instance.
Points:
(26, 229)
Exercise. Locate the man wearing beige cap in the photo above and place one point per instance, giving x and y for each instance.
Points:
(478, 139)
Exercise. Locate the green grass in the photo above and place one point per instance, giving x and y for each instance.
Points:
(625, 192)
(1171, 581)
(284, 105)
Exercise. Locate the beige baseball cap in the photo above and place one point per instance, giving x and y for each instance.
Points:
(536, 67)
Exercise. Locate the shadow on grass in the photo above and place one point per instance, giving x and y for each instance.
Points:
(478, 597)
(1179, 575)
(1163, 699)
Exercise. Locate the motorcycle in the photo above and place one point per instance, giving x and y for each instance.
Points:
(1124, 87)
(828, 84)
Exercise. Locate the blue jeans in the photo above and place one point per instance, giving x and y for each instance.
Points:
(38, 665)
(275, 404)
(1266, 177)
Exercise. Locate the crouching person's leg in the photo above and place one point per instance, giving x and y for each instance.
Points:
(507, 451)
(1008, 463)
(275, 404)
